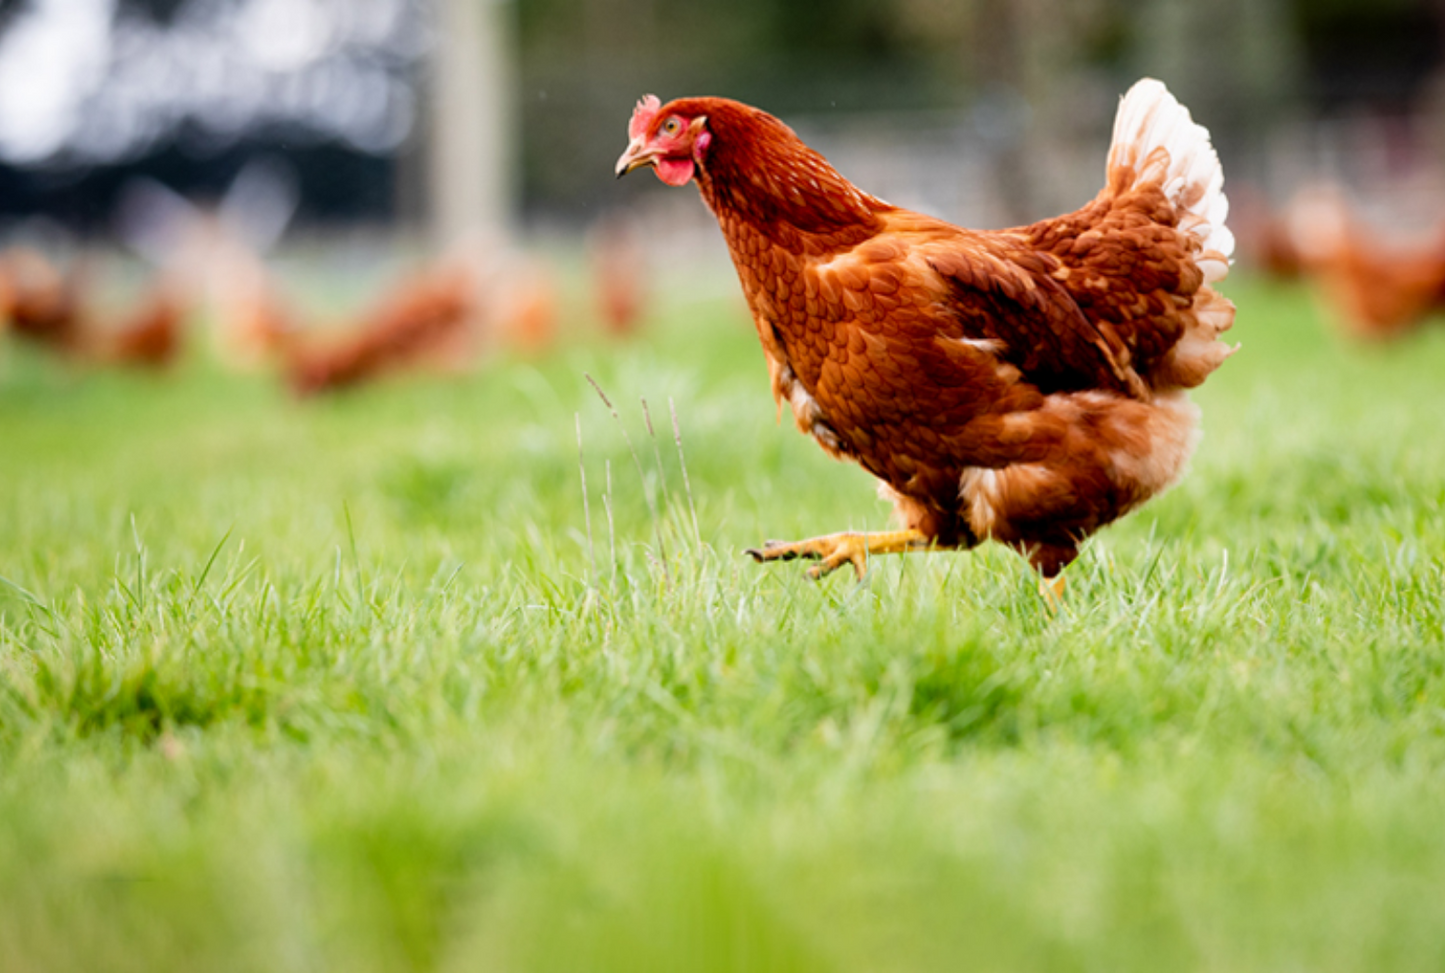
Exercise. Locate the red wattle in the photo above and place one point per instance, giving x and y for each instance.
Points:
(674, 172)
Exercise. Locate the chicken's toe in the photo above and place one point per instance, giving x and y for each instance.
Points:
(836, 550)
(843, 554)
(782, 551)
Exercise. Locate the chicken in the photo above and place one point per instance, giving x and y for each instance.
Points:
(424, 315)
(525, 304)
(1378, 289)
(1264, 236)
(255, 321)
(43, 302)
(58, 310)
(220, 250)
(150, 336)
(1026, 386)
(7, 302)
(619, 276)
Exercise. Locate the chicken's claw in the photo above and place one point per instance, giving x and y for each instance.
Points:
(836, 550)
(833, 551)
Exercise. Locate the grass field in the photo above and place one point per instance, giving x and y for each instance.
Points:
(348, 685)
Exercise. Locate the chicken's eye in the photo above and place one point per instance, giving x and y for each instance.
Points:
(672, 126)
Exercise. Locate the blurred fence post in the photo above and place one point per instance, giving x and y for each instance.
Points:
(472, 140)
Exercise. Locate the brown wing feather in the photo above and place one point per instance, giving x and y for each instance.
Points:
(1005, 291)
(1127, 268)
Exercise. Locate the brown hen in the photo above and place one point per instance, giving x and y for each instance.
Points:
(150, 335)
(43, 302)
(1264, 236)
(619, 276)
(57, 310)
(1378, 289)
(419, 317)
(1025, 386)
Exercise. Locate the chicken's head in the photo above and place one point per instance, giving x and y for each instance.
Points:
(672, 142)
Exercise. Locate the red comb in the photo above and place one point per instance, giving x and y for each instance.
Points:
(642, 115)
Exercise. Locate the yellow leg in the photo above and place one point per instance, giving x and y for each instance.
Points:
(835, 550)
(1053, 590)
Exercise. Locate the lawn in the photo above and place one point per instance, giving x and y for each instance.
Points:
(366, 684)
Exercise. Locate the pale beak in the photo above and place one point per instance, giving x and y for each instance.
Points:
(637, 154)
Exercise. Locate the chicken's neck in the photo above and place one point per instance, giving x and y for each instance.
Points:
(798, 202)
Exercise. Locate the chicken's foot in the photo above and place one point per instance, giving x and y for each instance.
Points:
(836, 550)
(1052, 590)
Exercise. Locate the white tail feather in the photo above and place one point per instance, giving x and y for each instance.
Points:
(1150, 119)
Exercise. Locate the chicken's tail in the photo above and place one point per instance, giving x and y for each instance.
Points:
(1157, 143)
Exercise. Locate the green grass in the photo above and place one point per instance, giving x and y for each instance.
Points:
(344, 685)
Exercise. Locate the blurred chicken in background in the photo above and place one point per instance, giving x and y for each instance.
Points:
(151, 335)
(220, 251)
(527, 305)
(255, 324)
(1376, 287)
(434, 317)
(43, 302)
(7, 301)
(431, 317)
(1263, 235)
(619, 275)
(59, 310)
